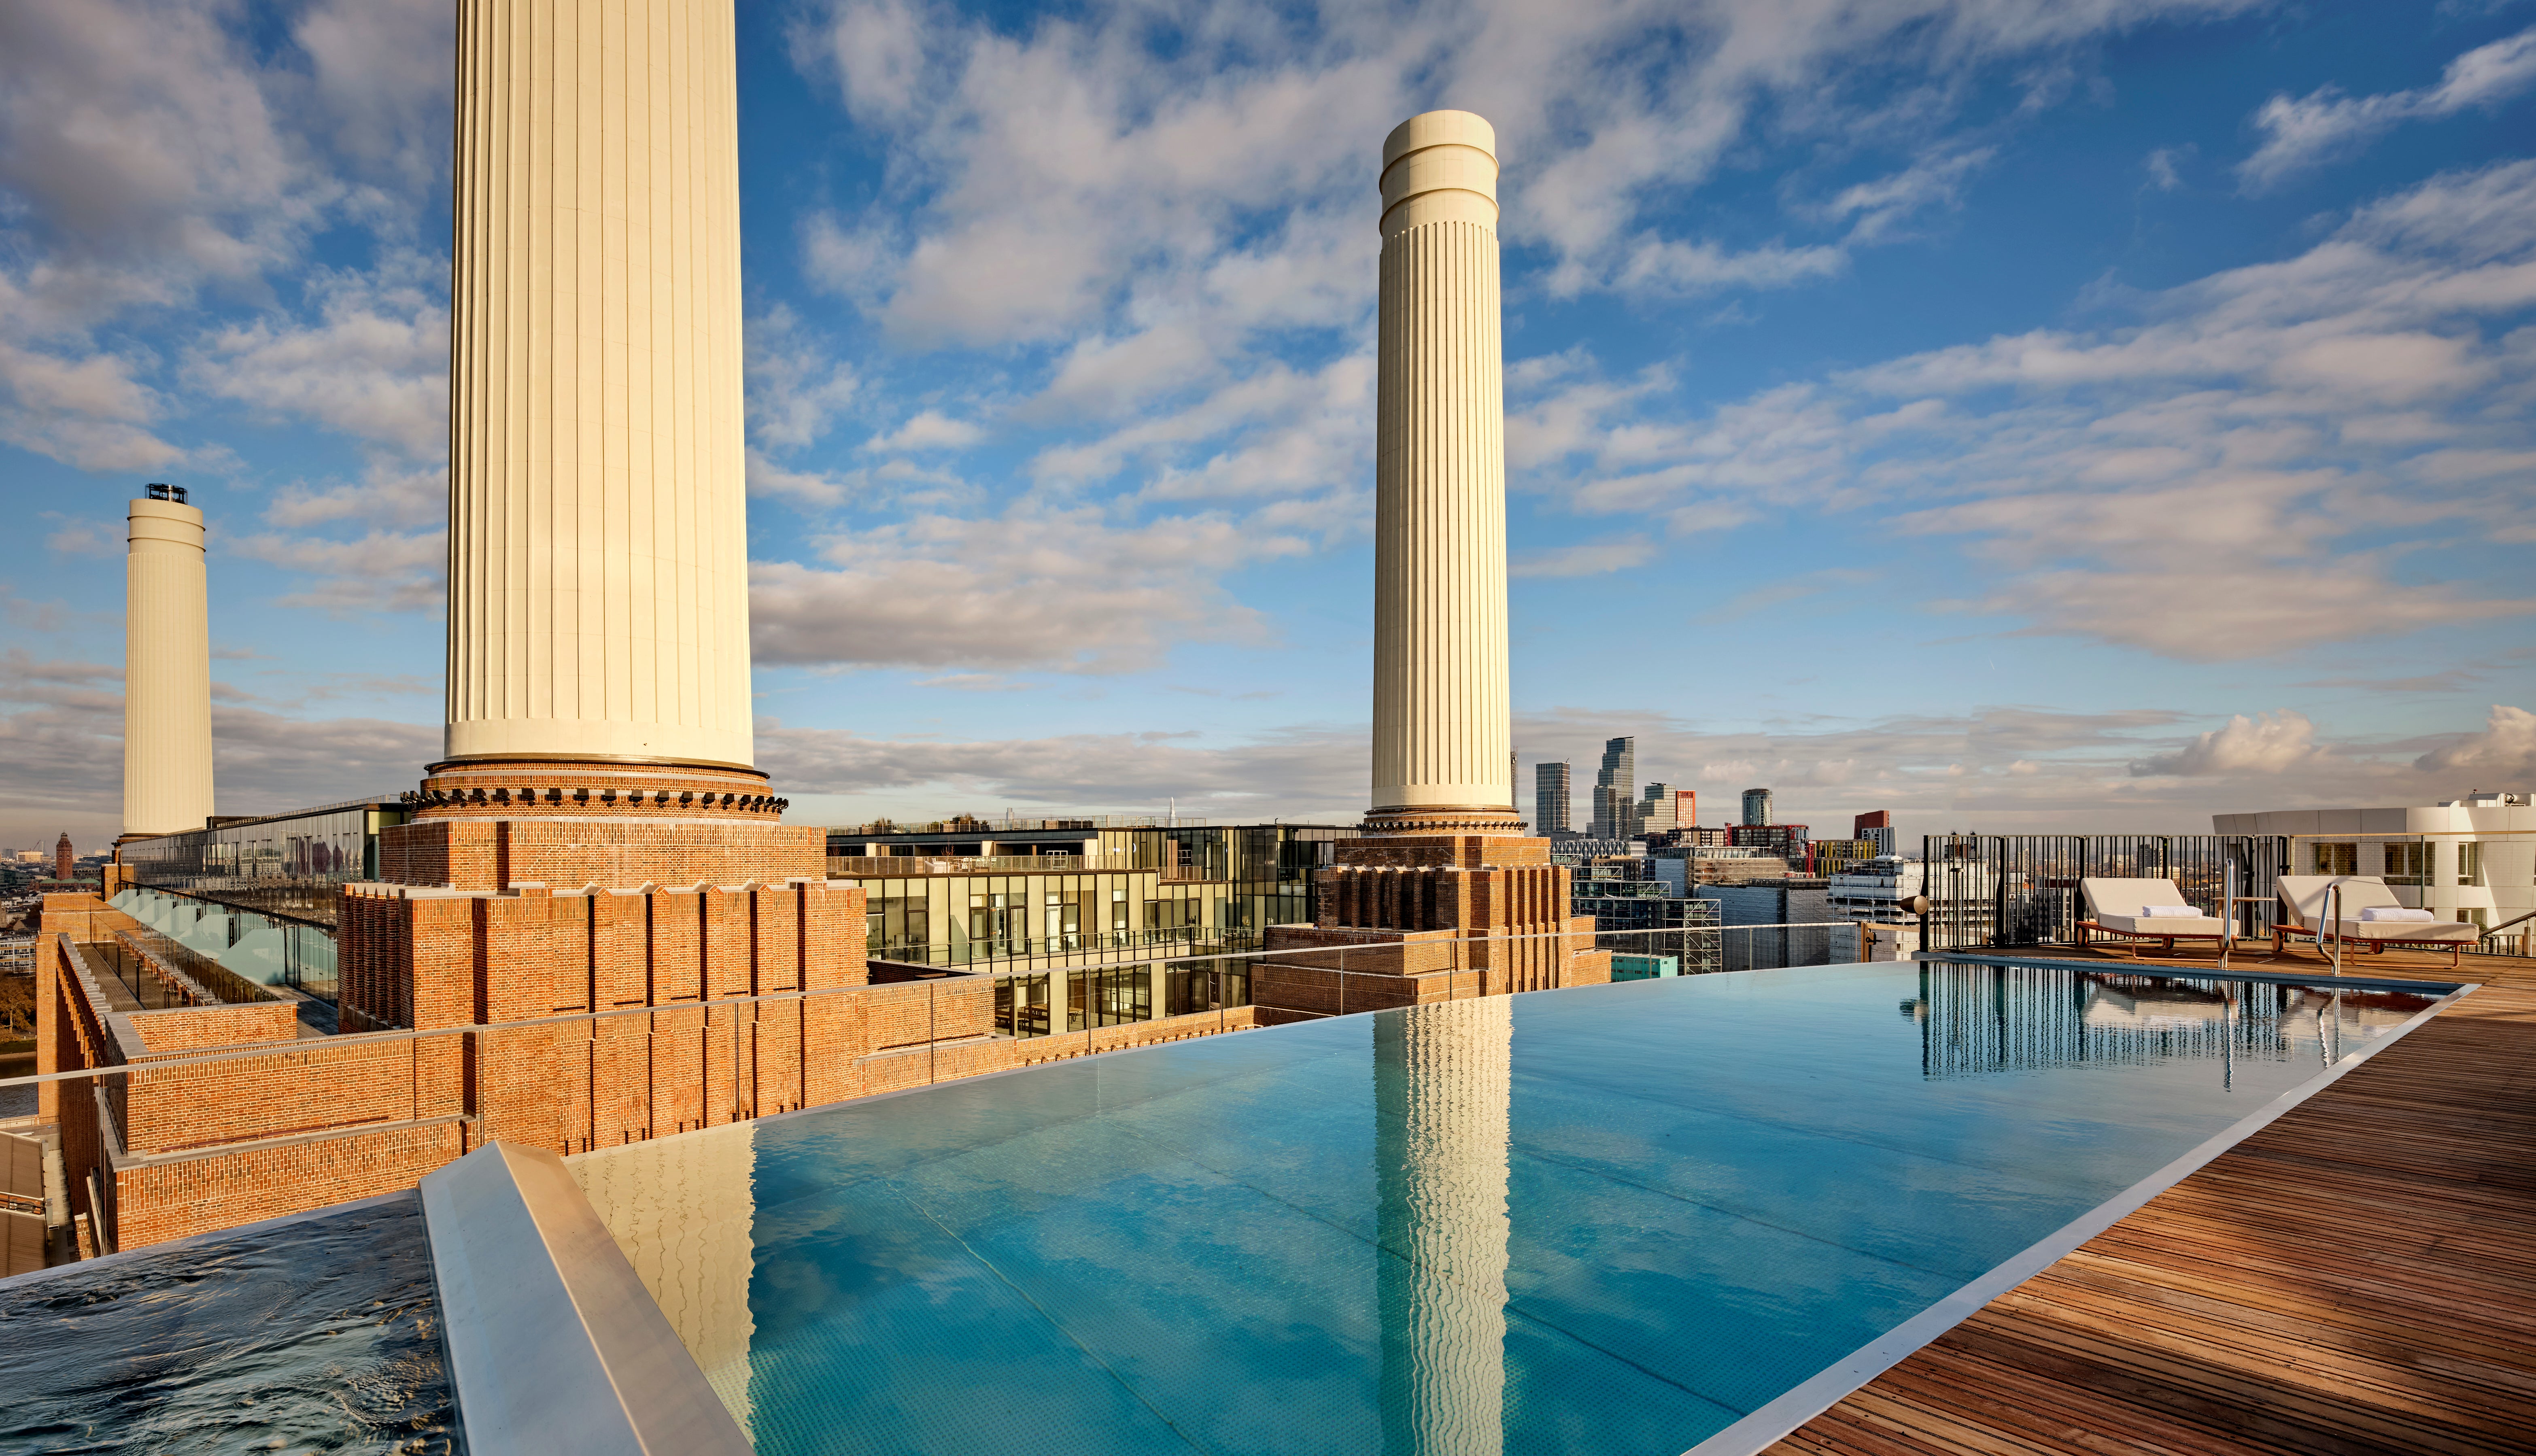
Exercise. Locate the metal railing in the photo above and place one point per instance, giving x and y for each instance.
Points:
(892, 866)
(2005, 892)
(1357, 994)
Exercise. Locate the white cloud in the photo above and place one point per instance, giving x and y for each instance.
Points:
(382, 571)
(61, 754)
(927, 429)
(84, 538)
(2275, 742)
(2292, 429)
(1079, 171)
(1061, 590)
(2504, 749)
(88, 411)
(374, 366)
(2325, 124)
(795, 391)
(1582, 560)
(2163, 174)
(380, 73)
(1299, 772)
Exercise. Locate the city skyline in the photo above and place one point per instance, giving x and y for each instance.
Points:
(1101, 539)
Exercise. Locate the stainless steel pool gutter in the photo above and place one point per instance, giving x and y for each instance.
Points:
(555, 1348)
(1766, 1427)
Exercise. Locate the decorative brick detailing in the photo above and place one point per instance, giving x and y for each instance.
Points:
(580, 787)
(1495, 821)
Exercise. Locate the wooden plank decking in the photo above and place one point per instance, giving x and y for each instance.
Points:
(2360, 1276)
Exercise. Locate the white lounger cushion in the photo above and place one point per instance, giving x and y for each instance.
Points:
(2162, 924)
(2440, 930)
(2169, 913)
(2307, 895)
(2398, 913)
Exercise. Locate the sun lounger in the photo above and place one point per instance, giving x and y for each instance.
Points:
(2123, 907)
(2306, 900)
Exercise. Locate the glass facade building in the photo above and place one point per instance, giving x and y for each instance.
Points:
(1053, 912)
(283, 865)
(1616, 791)
(1550, 787)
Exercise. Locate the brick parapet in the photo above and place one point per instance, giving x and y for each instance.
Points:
(177, 1197)
(200, 1028)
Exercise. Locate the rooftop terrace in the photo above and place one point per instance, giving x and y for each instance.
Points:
(2359, 1276)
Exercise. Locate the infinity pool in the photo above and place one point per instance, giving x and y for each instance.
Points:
(1610, 1219)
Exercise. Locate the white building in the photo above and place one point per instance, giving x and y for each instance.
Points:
(1962, 896)
(2472, 858)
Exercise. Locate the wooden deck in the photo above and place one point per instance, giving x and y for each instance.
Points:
(2360, 1276)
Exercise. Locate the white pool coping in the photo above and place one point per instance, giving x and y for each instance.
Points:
(1772, 1423)
(555, 1346)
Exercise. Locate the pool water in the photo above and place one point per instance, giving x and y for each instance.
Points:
(1608, 1219)
(318, 1334)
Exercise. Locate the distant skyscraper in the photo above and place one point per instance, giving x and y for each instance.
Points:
(1550, 802)
(63, 856)
(1616, 789)
(1756, 806)
(1655, 813)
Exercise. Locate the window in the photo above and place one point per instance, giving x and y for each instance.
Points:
(2406, 865)
(2470, 862)
(1021, 1005)
(2341, 858)
(1109, 997)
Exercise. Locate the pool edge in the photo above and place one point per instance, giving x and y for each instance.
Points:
(1827, 1387)
(551, 1343)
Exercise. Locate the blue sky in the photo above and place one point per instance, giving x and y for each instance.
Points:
(2020, 415)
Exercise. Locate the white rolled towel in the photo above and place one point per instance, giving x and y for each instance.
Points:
(2375, 913)
(2169, 913)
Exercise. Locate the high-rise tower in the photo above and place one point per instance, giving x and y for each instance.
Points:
(1756, 807)
(1615, 790)
(167, 668)
(1444, 849)
(1550, 797)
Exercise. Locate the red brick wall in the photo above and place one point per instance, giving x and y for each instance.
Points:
(163, 1032)
(179, 1198)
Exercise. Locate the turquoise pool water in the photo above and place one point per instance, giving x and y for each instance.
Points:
(1610, 1219)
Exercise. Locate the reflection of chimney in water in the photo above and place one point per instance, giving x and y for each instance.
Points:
(684, 1211)
(1442, 1088)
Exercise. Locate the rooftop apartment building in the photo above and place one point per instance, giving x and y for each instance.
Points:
(2471, 859)
(1685, 867)
(1878, 829)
